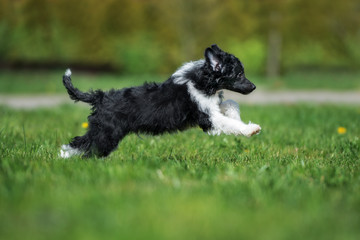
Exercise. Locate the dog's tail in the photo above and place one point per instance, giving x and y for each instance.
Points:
(74, 93)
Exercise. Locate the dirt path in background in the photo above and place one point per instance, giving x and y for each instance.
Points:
(286, 97)
(257, 97)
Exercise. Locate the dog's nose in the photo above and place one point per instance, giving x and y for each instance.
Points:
(253, 87)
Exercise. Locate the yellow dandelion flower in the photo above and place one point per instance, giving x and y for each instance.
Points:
(84, 125)
(341, 130)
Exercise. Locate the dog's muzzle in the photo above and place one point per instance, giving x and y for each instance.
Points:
(244, 88)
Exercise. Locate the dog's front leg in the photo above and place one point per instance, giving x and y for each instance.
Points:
(231, 109)
(230, 126)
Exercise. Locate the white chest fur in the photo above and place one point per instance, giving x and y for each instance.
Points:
(207, 104)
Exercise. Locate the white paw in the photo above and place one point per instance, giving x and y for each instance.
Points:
(251, 129)
(66, 151)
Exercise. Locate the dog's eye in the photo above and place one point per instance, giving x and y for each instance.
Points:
(239, 75)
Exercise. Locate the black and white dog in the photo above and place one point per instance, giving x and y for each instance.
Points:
(187, 99)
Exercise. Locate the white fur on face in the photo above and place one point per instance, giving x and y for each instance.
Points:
(226, 120)
(180, 73)
(66, 151)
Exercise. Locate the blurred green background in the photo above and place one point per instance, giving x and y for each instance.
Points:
(271, 37)
(298, 179)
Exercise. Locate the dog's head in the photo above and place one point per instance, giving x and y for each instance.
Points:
(227, 70)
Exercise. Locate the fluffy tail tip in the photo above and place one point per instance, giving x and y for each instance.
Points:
(68, 72)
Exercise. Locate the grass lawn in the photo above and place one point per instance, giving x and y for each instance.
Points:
(30, 82)
(298, 179)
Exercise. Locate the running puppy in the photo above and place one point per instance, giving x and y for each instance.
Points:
(187, 99)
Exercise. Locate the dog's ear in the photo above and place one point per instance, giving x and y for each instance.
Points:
(214, 60)
(216, 48)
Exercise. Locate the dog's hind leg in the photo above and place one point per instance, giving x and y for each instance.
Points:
(105, 136)
(77, 146)
(67, 151)
(100, 144)
(106, 142)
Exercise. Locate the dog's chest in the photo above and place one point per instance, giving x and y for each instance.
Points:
(207, 104)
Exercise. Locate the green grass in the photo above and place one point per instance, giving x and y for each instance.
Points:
(298, 179)
(30, 82)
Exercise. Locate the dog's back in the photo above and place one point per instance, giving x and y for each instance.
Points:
(152, 108)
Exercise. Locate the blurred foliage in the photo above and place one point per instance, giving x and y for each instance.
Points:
(136, 36)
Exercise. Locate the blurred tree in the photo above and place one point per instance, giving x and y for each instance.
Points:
(125, 34)
(288, 23)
